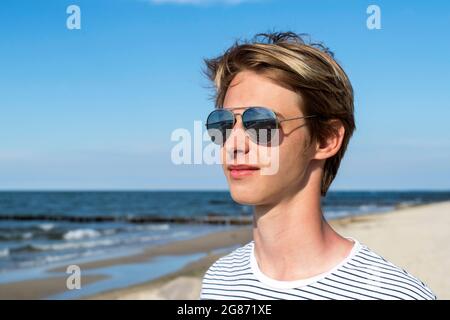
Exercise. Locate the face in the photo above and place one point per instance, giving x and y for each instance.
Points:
(253, 186)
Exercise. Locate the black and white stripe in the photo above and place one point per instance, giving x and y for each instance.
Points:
(362, 275)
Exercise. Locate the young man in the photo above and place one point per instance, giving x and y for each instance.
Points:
(278, 82)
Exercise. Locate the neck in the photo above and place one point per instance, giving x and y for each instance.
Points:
(293, 241)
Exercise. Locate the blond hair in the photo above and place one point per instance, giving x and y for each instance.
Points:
(309, 69)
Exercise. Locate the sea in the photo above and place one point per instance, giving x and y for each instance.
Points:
(39, 229)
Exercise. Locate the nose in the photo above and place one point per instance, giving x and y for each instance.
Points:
(237, 144)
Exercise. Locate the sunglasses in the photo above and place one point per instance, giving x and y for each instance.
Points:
(260, 124)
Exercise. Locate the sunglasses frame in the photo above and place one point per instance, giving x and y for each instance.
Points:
(277, 120)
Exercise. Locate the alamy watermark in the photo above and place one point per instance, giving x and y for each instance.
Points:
(199, 148)
(74, 279)
(73, 21)
(373, 21)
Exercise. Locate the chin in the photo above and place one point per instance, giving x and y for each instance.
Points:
(246, 194)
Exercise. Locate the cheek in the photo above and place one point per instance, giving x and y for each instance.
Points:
(223, 159)
(293, 156)
(283, 166)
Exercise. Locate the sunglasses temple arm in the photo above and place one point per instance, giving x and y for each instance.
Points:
(297, 118)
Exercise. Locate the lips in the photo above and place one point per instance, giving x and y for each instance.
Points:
(240, 171)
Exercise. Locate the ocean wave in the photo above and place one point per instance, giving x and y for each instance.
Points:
(79, 234)
(27, 235)
(141, 239)
(47, 259)
(151, 227)
(180, 234)
(367, 207)
(109, 232)
(93, 243)
(60, 257)
(46, 226)
(4, 252)
(73, 245)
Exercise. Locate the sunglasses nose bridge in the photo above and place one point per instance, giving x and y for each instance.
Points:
(238, 123)
(237, 141)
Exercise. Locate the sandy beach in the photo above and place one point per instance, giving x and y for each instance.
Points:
(413, 238)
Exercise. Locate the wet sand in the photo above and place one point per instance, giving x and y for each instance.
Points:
(39, 288)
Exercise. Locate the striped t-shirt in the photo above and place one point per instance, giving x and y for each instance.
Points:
(363, 274)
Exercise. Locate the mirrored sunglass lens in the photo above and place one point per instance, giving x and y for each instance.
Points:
(219, 125)
(260, 124)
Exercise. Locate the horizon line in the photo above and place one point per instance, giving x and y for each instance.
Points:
(208, 190)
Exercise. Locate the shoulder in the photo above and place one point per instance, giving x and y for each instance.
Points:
(393, 281)
(238, 257)
(234, 263)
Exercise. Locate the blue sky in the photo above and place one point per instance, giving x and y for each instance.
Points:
(94, 108)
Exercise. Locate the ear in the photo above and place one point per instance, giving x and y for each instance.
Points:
(330, 146)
